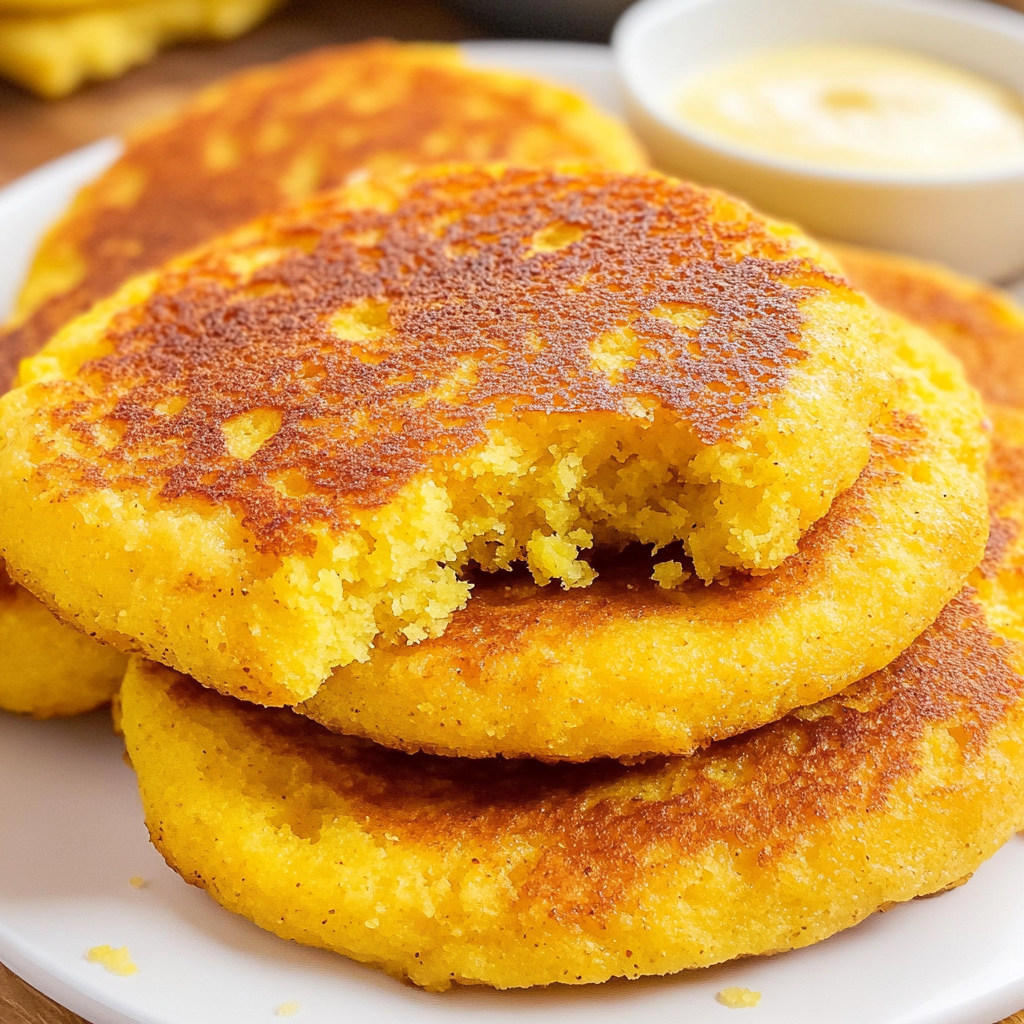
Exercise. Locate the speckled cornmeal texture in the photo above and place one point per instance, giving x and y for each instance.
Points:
(515, 873)
(253, 463)
(626, 668)
(244, 147)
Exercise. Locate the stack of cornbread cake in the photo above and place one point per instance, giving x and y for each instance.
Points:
(535, 569)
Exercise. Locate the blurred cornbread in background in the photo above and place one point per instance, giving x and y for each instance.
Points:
(982, 326)
(243, 147)
(54, 46)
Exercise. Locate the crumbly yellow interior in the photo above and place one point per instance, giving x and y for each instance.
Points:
(48, 670)
(630, 679)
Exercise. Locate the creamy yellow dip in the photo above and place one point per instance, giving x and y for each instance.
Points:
(859, 107)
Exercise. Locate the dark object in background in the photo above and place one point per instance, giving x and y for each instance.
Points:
(590, 20)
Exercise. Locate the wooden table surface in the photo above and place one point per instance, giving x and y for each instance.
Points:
(34, 131)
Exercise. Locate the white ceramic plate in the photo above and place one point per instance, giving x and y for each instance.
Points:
(71, 836)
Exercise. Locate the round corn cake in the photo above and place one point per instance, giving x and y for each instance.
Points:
(255, 462)
(240, 149)
(516, 873)
(631, 667)
(277, 133)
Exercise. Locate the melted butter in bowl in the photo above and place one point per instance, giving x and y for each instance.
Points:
(868, 108)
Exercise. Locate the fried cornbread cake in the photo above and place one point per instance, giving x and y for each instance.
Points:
(243, 148)
(52, 48)
(278, 133)
(253, 463)
(46, 669)
(999, 580)
(630, 667)
(516, 873)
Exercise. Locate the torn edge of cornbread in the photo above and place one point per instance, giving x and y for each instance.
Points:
(629, 669)
(287, 444)
(240, 148)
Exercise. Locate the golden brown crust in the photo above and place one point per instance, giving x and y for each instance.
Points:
(466, 290)
(228, 156)
(840, 762)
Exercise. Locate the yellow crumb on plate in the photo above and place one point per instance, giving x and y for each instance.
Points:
(669, 574)
(117, 961)
(137, 882)
(288, 1009)
(738, 998)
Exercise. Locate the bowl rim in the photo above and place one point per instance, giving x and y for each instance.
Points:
(639, 18)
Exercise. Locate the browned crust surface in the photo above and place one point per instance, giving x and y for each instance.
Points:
(790, 777)
(467, 293)
(423, 107)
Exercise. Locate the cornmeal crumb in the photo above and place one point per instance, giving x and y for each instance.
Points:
(738, 998)
(288, 1009)
(137, 882)
(669, 574)
(117, 961)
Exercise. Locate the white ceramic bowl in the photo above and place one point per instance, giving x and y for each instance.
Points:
(972, 222)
